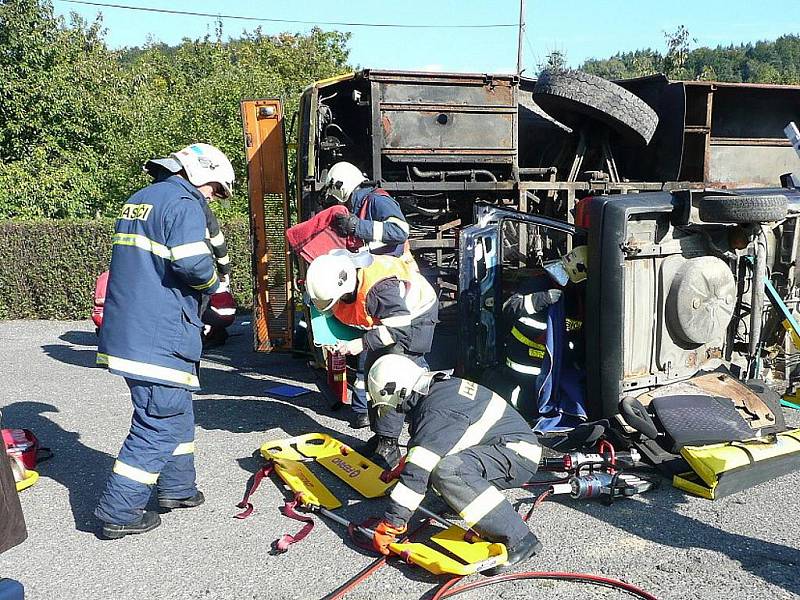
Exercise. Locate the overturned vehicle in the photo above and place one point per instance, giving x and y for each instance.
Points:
(663, 211)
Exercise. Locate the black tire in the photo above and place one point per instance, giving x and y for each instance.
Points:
(563, 92)
(742, 209)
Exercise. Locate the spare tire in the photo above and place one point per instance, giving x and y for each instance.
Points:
(742, 209)
(701, 300)
(562, 93)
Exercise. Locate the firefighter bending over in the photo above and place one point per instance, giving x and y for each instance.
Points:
(375, 217)
(467, 443)
(397, 308)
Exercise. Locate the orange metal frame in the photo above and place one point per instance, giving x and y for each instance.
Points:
(265, 147)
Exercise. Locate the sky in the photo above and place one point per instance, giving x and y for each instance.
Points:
(580, 29)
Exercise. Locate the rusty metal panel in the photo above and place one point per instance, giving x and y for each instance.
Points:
(454, 95)
(744, 164)
(447, 118)
(446, 130)
(267, 187)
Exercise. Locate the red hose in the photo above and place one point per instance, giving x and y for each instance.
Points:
(606, 445)
(448, 591)
(539, 499)
(359, 577)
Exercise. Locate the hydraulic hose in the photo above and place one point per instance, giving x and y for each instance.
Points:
(447, 590)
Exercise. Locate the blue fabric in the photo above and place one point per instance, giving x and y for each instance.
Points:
(379, 208)
(152, 312)
(163, 417)
(560, 397)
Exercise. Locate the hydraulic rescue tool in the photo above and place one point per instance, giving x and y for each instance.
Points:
(604, 477)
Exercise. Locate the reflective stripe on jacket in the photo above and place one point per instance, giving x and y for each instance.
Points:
(454, 415)
(417, 293)
(160, 267)
(381, 223)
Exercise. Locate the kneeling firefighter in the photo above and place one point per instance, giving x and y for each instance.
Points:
(466, 442)
(161, 266)
(397, 308)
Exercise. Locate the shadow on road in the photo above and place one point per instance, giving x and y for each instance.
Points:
(771, 562)
(79, 468)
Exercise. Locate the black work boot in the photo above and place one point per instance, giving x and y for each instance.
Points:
(368, 448)
(528, 547)
(359, 420)
(149, 521)
(195, 500)
(386, 454)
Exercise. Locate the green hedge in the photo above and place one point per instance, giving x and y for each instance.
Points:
(48, 268)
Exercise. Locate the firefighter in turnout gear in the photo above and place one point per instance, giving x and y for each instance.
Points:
(397, 309)
(525, 327)
(375, 217)
(161, 266)
(218, 310)
(467, 443)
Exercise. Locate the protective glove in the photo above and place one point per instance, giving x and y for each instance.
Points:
(353, 347)
(224, 284)
(541, 300)
(386, 534)
(531, 303)
(345, 225)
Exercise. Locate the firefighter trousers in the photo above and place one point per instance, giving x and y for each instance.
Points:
(470, 482)
(159, 450)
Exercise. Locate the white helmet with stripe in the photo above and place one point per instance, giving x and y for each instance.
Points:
(342, 179)
(391, 380)
(202, 163)
(328, 278)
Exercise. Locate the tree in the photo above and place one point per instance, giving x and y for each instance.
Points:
(677, 53)
(77, 121)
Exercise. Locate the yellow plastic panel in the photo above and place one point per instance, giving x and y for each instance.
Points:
(452, 540)
(280, 449)
(358, 472)
(439, 564)
(711, 460)
(301, 480)
(31, 477)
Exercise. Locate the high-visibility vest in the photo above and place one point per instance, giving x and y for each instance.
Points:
(419, 295)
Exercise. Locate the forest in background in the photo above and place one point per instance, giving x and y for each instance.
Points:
(78, 119)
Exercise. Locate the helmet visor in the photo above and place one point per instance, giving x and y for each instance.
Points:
(323, 305)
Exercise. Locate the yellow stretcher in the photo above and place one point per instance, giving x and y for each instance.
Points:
(291, 456)
(722, 469)
(475, 556)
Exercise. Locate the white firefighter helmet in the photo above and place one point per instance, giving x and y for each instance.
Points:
(203, 163)
(328, 278)
(342, 179)
(576, 263)
(391, 380)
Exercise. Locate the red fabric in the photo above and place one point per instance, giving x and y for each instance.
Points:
(99, 298)
(316, 237)
(23, 444)
(282, 544)
(221, 303)
(582, 212)
(264, 471)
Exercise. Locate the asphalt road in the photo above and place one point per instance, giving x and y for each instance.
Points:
(672, 545)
